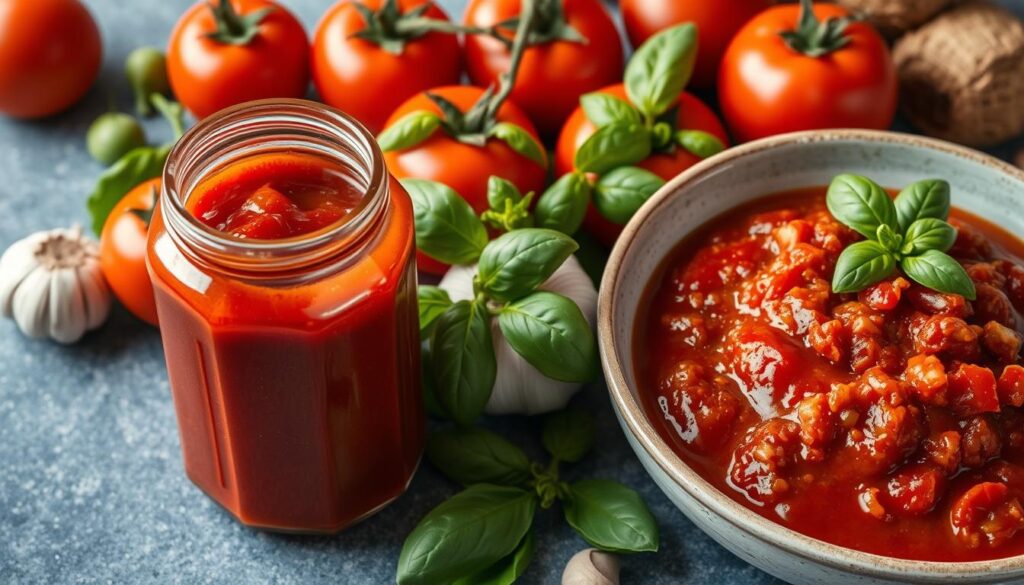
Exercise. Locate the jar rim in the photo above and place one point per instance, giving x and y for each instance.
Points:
(202, 141)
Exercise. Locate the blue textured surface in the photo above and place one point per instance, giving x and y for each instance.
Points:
(91, 481)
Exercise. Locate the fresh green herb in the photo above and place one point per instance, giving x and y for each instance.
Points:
(660, 69)
(563, 206)
(409, 130)
(446, 226)
(482, 535)
(433, 302)
(552, 335)
(516, 263)
(699, 143)
(463, 360)
(509, 209)
(612, 146)
(619, 194)
(910, 232)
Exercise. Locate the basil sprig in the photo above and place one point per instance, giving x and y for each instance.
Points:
(482, 534)
(910, 233)
(547, 329)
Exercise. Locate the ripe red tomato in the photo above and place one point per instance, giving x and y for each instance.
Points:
(464, 167)
(208, 75)
(123, 251)
(367, 81)
(717, 21)
(552, 75)
(766, 87)
(50, 53)
(693, 115)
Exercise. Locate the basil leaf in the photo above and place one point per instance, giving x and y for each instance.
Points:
(569, 434)
(929, 198)
(138, 165)
(516, 263)
(474, 455)
(861, 204)
(463, 359)
(501, 190)
(507, 570)
(699, 143)
(564, 205)
(660, 68)
(466, 534)
(611, 517)
(888, 238)
(551, 333)
(603, 109)
(620, 193)
(939, 271)
(409, 130)
(521, 141)
(430, 402)
(433, 302)
(612, 146)
(861, 265)
(447, 229)
(928, 234)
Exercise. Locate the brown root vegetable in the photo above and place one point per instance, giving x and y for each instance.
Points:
(962, 75)
(894, 17)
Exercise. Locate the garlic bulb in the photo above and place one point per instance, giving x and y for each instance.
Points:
(520, 388)
(51, 285)
(591, 567)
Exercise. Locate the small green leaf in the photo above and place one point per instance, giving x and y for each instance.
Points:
(551, 333)
(613, 146)
(466, 534)
(611, 517)
(928, 234)
(140, 164)
(474, 455)
(521, 141)
(563, 206)
(499, 191)
(699, 143)
(620, 193)
(603, 109)
(508, 570)
(861, 265)
(410, 130)
(861, 204)
(660, 68)
(569, 434)
(889, 239)
(516, 263)
(430, 402)
(929, 198)
(447, 229)
(464, 363)
(939, 271)
(433, 302)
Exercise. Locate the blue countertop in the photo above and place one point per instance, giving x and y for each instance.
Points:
(92, 488)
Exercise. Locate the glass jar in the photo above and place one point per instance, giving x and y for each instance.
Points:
(293, 363)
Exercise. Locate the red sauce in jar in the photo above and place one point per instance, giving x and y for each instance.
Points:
(297, 388)
(888, 421)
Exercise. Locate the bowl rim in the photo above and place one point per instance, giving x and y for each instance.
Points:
(646, 437)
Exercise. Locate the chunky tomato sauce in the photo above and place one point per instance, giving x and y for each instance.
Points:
(887, 421)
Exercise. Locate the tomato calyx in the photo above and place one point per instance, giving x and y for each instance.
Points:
(550, 25)
(390, 28)
(234, 28)
(816, 38)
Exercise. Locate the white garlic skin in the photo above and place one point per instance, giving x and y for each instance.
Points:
(591, 567)
(520, 388)
(51, 285)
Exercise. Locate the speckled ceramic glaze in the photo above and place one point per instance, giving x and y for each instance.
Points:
(981, 184)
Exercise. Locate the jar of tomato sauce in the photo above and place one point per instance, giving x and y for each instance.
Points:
(282, 259)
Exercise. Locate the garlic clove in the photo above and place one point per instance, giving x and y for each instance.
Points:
(591, 567)
(15, 264)
(31, 303)
(96, 293)
(67, 314)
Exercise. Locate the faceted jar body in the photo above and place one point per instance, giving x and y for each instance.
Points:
(294, 364)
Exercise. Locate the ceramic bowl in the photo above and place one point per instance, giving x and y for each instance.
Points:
(981, 184)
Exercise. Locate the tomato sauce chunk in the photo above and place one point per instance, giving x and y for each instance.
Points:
(889, 421)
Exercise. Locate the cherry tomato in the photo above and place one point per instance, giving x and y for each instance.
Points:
(553, 75)
(123, 251)
(693, 115)
(766, 87)
(717, 21)
(208, 74)
(50, 53)
(366, 80)
(464, 167)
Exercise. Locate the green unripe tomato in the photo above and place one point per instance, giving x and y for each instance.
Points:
(146, 68)
(112, 135)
